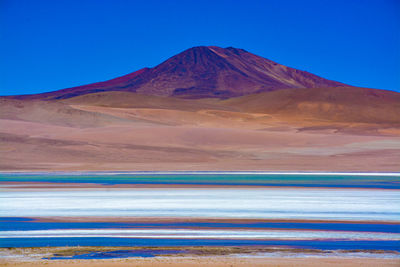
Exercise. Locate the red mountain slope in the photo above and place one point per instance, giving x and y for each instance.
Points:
(202, 72)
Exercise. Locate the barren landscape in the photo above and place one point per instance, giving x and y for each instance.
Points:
(207, 108)
(144, 133)
(94, 132)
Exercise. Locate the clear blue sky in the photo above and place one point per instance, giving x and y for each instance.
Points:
(53, 44)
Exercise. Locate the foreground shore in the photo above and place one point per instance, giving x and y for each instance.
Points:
(223, 261)
(194, 256)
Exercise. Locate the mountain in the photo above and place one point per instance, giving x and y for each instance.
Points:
(207, 108)
(203, 72)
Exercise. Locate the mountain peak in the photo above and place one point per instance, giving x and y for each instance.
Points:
(212, 71)
(204, 72)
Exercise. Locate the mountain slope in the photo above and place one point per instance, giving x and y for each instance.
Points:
(335, 104)
(203, 72)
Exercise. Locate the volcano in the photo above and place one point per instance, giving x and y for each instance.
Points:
(207, 108)
(204, 72)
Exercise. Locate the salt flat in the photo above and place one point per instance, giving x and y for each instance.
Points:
(289, 203)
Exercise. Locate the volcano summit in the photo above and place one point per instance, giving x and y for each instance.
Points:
(204, 72)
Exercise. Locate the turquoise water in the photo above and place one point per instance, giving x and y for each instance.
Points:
(391, 181)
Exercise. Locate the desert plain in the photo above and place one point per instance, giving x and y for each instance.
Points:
(133, 132)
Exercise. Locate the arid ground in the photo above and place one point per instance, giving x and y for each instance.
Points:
(129, 131)
(223, 261)
(209, 256)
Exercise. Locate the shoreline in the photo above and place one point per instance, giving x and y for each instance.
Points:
(196, 256)
(214, 262)
(192, 251)
(76, 186)
(195, 173)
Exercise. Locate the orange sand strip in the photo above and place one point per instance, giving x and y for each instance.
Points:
(213, 261)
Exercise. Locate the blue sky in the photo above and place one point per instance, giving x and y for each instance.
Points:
(53, 44)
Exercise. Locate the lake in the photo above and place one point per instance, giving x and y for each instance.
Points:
(318, 211)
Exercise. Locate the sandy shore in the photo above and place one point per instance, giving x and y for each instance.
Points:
(220, 261)
(198, 256)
